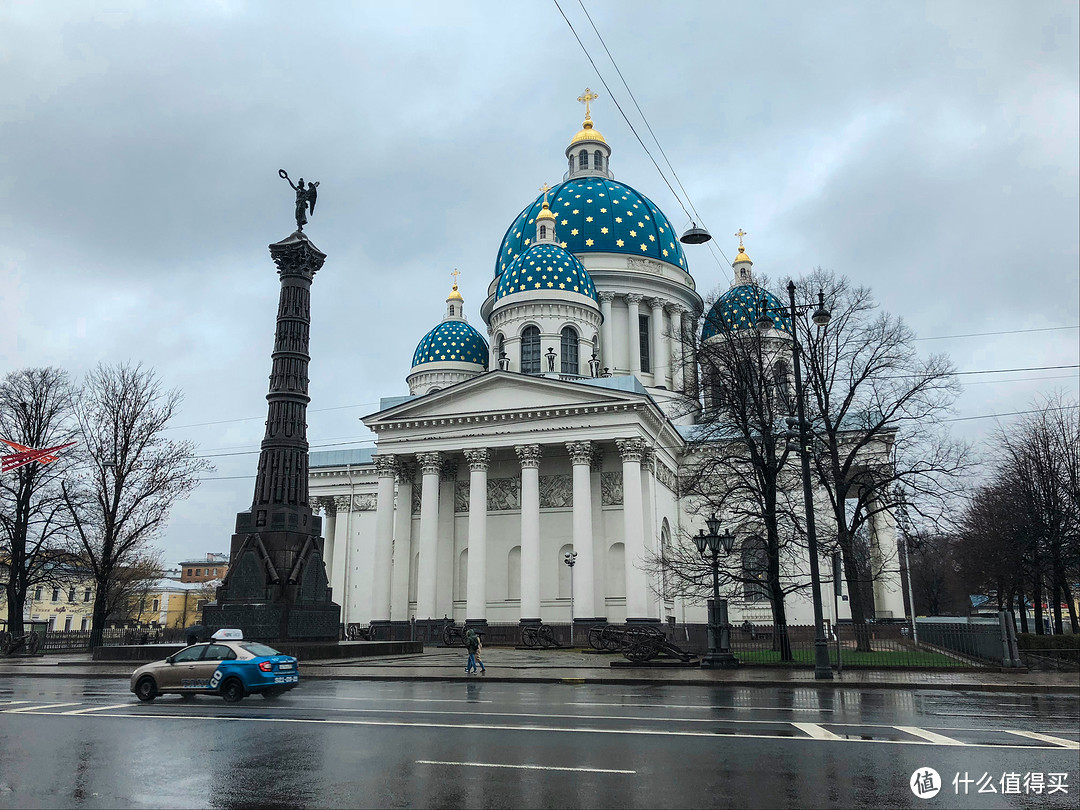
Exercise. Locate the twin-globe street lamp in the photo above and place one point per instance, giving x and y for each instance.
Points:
(821, 317)
(719, 655)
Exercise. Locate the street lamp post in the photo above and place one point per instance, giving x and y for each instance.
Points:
(821, 316)
(570, 558)
(709, 546)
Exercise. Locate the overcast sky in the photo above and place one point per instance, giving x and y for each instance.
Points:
(927, 151)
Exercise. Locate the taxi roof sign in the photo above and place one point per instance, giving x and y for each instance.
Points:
(228, 635)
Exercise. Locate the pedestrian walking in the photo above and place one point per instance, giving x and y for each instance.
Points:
(476, 655)
(472, 644)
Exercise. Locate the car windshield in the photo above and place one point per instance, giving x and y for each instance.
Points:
(259, 649)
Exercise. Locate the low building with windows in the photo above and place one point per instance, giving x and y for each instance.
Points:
(65, 605)
(214, 566)
(168, 603)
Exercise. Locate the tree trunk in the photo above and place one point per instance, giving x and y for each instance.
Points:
(853, 575)
(1036, 596)
(16, 604)
(97, 626)
(1023, 613)
(1055, 592)
(780, 641)
(1072, 606)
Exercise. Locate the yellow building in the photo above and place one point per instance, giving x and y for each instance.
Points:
(169, 603)
(67, 606)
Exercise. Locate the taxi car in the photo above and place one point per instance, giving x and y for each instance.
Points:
(226, 665)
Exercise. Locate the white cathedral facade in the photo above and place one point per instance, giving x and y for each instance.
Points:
(560, 425)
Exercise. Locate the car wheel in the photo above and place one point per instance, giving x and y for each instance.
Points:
(232, 691)
(272, 694)
(146, 689)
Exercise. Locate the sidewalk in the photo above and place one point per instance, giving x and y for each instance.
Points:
(576, 667)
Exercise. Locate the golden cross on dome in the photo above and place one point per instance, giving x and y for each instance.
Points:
(741, 233)
(585, 98)
(544, 189)
(455, 274)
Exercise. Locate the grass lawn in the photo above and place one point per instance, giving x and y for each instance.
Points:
(885, 658)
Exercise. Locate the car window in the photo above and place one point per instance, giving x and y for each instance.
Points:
(190, 654)
(219, 652)
(259, 649)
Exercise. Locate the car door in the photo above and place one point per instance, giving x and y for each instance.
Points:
(215, 654)
(182, 668)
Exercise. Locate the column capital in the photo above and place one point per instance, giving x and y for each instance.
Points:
(675, 310)
(406, 472)
(342, 503)
(449, 471)
(606, 297)
(580, 452)
(478, 458)
(656, 303)
(327, 505)
(596, 463)
(528, 455)
(648, 459)
(633, 299)
(430, 463)
(631, 449)
(386, 465)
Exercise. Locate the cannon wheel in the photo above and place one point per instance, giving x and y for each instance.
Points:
(529, 635)
(546, 636)
(5, 641)
(643, 648)
(596, 633)
(32, 643)
(612, 638)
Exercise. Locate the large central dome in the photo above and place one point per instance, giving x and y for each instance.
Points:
(597, 215)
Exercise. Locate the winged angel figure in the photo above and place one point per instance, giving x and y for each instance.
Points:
(305, 198)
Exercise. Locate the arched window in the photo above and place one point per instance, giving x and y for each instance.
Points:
(583, 159)
(513, 573)
(570, 351)
(616, 570)
(543, 231)
(530, 350)
(755, 567)
(451, 309)
(598, 159)
(565, 572)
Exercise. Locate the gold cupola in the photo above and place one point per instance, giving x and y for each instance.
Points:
(588, 151)
(742, 263)
(545, 220)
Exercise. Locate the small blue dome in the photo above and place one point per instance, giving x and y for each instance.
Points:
(740, 307)
(545, 267)
(597, 215)
(452, 342)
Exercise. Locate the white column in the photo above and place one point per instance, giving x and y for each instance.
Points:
(885, 562)
(329, 527)
(632, 333)
(600, 539)
(660, 359)
(652, 530)
(476, 590)
(444, 558)
(529, 455)
(399, 589)
(607, 351)
(430, 464)
(584, 571)
(637, 600)
(343, 560)
(677, 347)
(383, 561)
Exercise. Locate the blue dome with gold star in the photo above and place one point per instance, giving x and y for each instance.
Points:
(452, 341)
(740, 307)
(597, 215)
(545, 267)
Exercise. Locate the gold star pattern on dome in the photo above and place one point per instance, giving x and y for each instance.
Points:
(740, 307)
(452, 341)
(598, 215)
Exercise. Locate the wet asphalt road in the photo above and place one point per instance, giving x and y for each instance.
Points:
(90, 743)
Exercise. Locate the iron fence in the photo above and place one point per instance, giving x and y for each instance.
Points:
(74, 640)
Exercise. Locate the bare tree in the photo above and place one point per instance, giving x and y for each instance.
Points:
(877, 410)
(35, 411)
(736, 466)
(130, 476)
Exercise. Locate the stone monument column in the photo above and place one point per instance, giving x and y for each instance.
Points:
(276, 587)
(476, 590)
(529, 455)
(386, 469)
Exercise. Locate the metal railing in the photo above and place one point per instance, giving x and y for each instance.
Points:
(75, 640)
